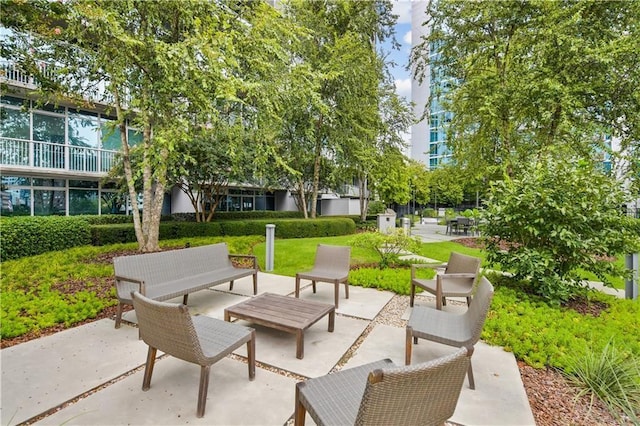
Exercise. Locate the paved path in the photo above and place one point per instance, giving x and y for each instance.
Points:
(92, 374)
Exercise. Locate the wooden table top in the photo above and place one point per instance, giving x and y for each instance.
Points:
(276, 310)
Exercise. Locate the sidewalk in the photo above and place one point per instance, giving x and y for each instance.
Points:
(92, 374)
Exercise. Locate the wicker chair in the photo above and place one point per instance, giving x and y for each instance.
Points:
(460, 330)
(381, 393)
(331, 266)
(457, 280)
(201, 340)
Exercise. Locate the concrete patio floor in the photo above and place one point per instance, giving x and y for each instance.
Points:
(92, 374)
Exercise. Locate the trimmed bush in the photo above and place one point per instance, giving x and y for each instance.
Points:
(31, 235)
(285, 228)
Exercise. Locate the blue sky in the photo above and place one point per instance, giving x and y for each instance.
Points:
(402, 8)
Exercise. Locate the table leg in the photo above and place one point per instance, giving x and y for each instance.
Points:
(227, 316)
(300, 344)
(332, 320)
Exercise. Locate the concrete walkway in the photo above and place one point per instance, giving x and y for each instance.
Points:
(92, 374)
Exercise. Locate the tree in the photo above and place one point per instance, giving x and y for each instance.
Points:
(562, 216)
(522, 77)
(446, 185)
(333, 120)
(157, 64)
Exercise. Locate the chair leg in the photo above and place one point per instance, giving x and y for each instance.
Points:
(336, 296)
(412, 295)
(439, 301)
(472, 382)
(313, 285)
(230, 285)
(204, 388)
(297, 286)
(251, 355)
(444, 302)
(119, 315)
(255, 283)
(468, 301)
(346, 289)
(300, 412)
(148, 369)
(408, 346)
(185, 298)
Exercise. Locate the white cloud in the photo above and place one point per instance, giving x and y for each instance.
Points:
(403, 87)
(407, 38)
(402, 8)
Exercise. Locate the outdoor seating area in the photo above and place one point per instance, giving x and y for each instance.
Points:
(461, 226)
(93, 374)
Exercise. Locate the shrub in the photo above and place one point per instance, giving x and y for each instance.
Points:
(429, 212)
(388, 246)
(559, 217)
(376, 207)
(31, 235)
(610, 375)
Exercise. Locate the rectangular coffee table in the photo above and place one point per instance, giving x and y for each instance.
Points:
(283, 313)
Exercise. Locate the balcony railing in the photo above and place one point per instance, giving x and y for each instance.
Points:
(46, 155)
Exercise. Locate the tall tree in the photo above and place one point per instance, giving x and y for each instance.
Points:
(158, 64)
(340, 112)
(523, 76)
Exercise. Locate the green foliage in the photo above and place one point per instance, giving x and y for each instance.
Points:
(388, 246)
(31, 235)
(429, 212)
(543, 335)
(285, 228)
(611, 375)
(560, 217)
(376, 207)
(396, 280)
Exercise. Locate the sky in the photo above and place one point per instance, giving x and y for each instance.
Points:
(402, 77)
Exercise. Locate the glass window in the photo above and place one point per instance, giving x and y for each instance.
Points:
(247, 204)
(48, 128)
(48, 202)
(83, 201)
(135, 137)
(112, 203)
(14, 123)
(16, 202)
(48, 182)
(110, 134)
(83, 130)
(10, 100)
(15, 180)
(83, 184)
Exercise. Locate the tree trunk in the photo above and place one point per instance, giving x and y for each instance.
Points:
(364, 197)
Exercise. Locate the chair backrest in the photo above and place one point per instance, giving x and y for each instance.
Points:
(476, 315)
(336, 258)
(461, 263)
(424, 394)
(167, 327)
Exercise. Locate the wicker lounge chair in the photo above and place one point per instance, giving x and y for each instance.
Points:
(331, 266)
(457, 280)
(381, 393)
(460, 330)
(201, 340)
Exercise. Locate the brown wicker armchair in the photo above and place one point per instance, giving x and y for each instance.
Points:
(381, 393)
(457, 280)
(331, 266)
(460, 330)
(201, 340)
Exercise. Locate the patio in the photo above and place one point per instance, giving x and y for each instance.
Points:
(92, 374)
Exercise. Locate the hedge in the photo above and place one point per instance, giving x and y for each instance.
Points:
(31, 235)
(285, 228)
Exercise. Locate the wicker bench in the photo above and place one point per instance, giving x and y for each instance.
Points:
(168, 274)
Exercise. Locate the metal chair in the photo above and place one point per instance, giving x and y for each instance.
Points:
(457, 280)
(332, 266)
(382, 393)
(200, 340)
(449, 328)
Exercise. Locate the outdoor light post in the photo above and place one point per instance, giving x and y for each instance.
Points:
(631, 283)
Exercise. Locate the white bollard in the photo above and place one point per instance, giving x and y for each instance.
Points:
(271, 236)
(631, 284)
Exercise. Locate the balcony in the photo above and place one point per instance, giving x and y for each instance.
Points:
(18, 155)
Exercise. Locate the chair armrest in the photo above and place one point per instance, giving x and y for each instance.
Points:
(458, 275)
(417, 266)
(254, 259)
(122, 278)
